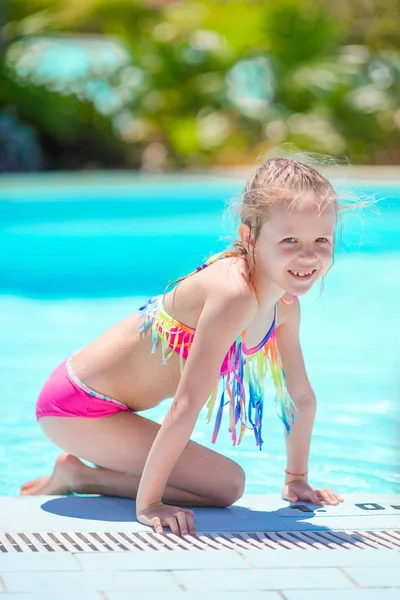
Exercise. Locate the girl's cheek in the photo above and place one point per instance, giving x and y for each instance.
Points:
(283, 251)
(326, 254)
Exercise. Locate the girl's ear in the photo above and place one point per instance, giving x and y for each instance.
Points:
(244, 232)
(247, 236)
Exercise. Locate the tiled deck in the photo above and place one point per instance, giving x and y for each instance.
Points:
(318, 562)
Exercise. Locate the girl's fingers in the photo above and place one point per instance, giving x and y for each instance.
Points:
(329, 496)
(188, 511)
(191, 525)
(190, 520)
(316, 500)
(156, 523)
(181, 517)
(335, 496)
(319, 497)
(173, 525)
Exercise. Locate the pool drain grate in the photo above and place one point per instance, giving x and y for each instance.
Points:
(109, 541)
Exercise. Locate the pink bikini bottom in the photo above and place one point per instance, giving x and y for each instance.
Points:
(64, 395)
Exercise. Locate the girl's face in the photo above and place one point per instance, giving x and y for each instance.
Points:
(296, 241)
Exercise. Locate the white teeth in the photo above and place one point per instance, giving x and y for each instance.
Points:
(302, 273)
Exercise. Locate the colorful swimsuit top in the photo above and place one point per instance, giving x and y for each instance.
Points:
(242, 372)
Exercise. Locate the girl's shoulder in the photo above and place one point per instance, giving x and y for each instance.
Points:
(221, 284)
(227, 289)
(228, 279)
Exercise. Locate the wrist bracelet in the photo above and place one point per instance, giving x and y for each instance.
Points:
(296, 474)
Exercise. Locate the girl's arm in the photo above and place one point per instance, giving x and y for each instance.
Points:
(299, 439)
(223, 318)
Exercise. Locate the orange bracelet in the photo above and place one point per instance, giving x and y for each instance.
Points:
(296, 474)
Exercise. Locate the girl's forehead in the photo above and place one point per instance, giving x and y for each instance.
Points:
(306, 215)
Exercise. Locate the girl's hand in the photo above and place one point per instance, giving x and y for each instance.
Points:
(299, 490)
(179, 520)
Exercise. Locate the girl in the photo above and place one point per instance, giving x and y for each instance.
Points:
(235, 318)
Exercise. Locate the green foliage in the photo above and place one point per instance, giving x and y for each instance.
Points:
(213, 82)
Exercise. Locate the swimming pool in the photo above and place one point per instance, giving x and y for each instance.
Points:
(78, 254)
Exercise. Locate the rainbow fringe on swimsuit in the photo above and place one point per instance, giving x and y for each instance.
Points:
(244, 385)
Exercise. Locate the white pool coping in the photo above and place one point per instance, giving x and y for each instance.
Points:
(231, 564)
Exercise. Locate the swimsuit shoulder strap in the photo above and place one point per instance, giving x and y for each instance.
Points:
(216, 257)
(212, 259)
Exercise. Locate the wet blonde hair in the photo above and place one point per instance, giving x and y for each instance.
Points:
(283, 182)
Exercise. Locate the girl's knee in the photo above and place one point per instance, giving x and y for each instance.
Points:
(233, 489)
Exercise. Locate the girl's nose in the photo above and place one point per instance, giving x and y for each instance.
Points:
(308, 254)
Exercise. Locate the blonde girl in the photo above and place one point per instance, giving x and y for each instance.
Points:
(211, 341)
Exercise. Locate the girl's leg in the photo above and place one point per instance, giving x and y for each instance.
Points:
(72, 475)
(120, 443)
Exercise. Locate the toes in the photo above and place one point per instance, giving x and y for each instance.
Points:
(27, 484)
(28, 491)
(36, 487)
(26, 487)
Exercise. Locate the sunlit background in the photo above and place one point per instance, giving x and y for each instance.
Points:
(162, 85)
(125, 127)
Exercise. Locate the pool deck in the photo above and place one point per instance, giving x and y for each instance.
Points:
(91, 547)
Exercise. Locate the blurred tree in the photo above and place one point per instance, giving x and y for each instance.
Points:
(209, 82)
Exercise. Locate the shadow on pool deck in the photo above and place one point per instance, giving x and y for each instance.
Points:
(222, 519)
(266, 512)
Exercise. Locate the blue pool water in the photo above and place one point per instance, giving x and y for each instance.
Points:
(75, 258)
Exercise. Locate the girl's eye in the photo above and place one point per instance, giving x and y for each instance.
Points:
(292, 238)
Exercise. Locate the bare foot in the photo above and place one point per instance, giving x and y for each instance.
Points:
(28, 488)
(60, 482)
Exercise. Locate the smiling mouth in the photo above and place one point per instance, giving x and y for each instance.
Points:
(303, 275)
